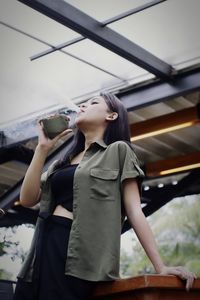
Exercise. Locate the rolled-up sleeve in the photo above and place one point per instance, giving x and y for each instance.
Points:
(46, 174)
(130, 167)
(43, 179)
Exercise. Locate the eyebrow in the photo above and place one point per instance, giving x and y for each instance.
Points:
(94, 98)
(90, 100)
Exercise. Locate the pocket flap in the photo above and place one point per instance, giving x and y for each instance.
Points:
(104, 174)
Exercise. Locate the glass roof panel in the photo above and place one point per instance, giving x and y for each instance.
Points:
(29, 20)
(30, 86)
(105, 9)
(48, 81)
(106, 59)
(169, 30)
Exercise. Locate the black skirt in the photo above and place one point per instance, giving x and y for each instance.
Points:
(49, 280)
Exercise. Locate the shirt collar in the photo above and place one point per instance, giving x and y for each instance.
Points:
(100, 143)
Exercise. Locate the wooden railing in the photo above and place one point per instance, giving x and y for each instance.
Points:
(147, 287)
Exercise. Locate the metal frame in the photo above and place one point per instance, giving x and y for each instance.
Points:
(137, 97)
(154, 92)
(163, 196)
(63, 51)
(149, 94)
(12, 194)
(189, 185)
(186, 186)
(107, 22)
(80, 22)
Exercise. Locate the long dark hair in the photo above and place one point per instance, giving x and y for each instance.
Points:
(117, 130)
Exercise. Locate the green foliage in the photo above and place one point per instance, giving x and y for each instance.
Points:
(5, 275)
(176, 228)
(2, 251)
(11, 251)
(7, 246)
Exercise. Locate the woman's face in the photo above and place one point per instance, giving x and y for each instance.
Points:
(93, 112)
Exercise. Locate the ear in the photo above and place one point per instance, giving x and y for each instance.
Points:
(112, 116)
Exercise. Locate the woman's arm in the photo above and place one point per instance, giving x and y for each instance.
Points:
(142, 229)
(30, 190)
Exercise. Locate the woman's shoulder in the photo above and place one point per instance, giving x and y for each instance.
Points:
(123, 146)
(124, 149)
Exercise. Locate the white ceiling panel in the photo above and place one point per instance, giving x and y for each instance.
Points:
(169, 30)
(105, 9)
(27, 19)
(32, 86)
(106, 59)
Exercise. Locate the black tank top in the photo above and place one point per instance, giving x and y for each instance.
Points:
(62, 186)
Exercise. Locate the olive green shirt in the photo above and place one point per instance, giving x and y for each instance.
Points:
(94, 244)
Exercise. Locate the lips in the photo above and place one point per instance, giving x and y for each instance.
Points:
(80, 112)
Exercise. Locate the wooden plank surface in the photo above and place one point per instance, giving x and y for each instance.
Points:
(147, 287)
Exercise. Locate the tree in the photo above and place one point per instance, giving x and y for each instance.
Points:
(176, 228)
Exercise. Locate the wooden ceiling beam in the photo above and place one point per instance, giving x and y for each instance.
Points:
(165, 123)
(173, 165)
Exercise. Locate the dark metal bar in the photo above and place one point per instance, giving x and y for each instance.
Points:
(56, 48)
(80, 22)
(18, 152)
(163, 197)
(142, 96)
(183, 84)
(19, 215)
(7, 199)
(107, 22)
(63, 51)
(133, 11)
(181, 189)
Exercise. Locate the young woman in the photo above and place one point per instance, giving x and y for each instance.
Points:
(84, 199)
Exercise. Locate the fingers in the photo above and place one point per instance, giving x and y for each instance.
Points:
(40, 127)
(189, 283)
(62, 134)
(39, 124)
(182, 273)
(188, 276)
(65, 132)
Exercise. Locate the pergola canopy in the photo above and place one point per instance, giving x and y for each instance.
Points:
(57, 53)
(167, 32)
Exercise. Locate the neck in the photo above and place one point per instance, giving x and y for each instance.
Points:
(92, 136)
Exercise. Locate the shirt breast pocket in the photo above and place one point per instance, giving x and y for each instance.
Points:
(104, 184)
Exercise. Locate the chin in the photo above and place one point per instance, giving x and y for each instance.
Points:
(79, 121)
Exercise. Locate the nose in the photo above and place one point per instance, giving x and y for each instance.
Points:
(83, 106)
